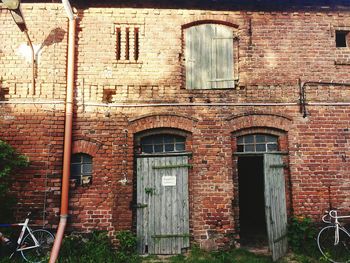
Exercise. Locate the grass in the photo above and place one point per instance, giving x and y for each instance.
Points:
(96, 248)
(199, 256)
(236, 255)
(232, 256)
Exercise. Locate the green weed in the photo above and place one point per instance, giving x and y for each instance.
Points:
(10, 161)
(127, 249)
(237, 255)
(94, 247)
(301, 236)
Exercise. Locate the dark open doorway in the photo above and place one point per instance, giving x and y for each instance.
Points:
(251, 201)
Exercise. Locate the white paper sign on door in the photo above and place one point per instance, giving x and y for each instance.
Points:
(169, 180)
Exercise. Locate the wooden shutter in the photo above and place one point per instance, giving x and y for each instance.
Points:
(222, 58)
(275, 204)
(209, 56)
(198, 56)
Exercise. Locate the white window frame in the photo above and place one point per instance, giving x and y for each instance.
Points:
(83, 178)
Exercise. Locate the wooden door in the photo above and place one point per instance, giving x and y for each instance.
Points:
(275, 205)
(162, 201)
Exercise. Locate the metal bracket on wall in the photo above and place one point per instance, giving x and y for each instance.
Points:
(302, 91)
(302, 98)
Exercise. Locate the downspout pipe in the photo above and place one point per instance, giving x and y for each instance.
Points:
(67, 134)
(32, 89)
(68, 9)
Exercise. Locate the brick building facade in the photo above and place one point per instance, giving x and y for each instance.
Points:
(137, 86)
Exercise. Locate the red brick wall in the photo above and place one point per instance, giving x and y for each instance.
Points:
(37, 132)
(275, 50)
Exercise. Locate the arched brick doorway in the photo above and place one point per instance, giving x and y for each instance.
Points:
(162, 203)
(261, 188)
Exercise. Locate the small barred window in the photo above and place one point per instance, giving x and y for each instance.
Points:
(81, 168)
(257, 143)
(127, 43)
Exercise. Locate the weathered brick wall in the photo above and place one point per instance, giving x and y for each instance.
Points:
(281, 48)
(47, 27)
(275, 50)
(319, 156)
(36, 131)
(34, 122)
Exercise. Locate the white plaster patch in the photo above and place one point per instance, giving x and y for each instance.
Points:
(123, 181)
(107, 72)
(25, 51)
(270, 58)
(8, 117)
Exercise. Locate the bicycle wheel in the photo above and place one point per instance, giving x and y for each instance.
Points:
(41, 253)
(339, 253)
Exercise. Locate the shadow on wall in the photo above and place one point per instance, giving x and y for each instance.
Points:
(55, 36)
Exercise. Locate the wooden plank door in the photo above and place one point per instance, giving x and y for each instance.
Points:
(275, 205)
(162, 198)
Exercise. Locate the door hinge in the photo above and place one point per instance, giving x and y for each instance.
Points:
(279, 165)
(280, 238)
(170, 235)
(139, 205)
(173, 166)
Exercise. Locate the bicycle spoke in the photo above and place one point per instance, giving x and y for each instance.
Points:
(42, 252)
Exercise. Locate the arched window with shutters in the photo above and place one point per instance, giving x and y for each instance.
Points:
(209, 55)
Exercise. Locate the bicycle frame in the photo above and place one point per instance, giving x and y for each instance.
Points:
(334, 214)
(25, 228)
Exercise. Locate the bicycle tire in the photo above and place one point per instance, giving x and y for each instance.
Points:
(339, 253)
(41, 253)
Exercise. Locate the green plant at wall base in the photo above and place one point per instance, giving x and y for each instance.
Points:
(127, 249)
(301, 235)
(198, 255)
(10, 160)
(96, 247)
(324, 258)
(93, 247)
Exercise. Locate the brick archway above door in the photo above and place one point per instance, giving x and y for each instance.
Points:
(268, 120)
(162, 120)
